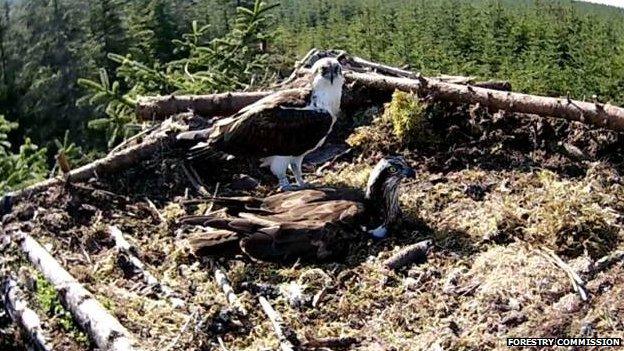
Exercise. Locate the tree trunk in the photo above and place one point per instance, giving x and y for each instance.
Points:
(104, 329)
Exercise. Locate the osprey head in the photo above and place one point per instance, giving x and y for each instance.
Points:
(328, 69)
(382, 191)
(388, 171)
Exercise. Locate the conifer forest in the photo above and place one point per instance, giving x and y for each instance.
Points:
(509, 112)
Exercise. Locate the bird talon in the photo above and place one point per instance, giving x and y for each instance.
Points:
(286, 187)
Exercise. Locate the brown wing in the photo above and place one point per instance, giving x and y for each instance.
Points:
(301, 224)
(276, 125)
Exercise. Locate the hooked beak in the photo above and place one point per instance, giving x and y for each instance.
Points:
(331, 77)
(409, 173)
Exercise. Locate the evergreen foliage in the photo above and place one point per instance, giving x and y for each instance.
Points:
(19, 169)
(79, 66)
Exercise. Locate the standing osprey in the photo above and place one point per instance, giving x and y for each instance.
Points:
(308, 224)
(282, 128)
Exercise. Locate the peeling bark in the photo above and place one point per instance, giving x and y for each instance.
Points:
(104, 329)
(22, 315)
(160, 107)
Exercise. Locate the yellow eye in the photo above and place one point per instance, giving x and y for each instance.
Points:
(393, 169)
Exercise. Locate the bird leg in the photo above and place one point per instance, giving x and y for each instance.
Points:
(284, 184)
(279, 166)
(295, 167)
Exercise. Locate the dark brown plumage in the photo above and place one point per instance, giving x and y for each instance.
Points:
(281, 128)
(275, 125)
(306, 224)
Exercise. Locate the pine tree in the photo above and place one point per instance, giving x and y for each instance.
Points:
(107, 32)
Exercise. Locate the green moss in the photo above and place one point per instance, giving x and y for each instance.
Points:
(409, 118)
(47, 298)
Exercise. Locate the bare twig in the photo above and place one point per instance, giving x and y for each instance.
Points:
(133, 138)
(278, 323)
(378, 67)
(225, 286)
(175, 341)
(28, 321)
(298, 65)
(607, 261)
(194, 181)
(125, 248)
(577, 283)
(155, 211)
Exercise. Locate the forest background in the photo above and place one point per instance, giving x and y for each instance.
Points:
(71, 70)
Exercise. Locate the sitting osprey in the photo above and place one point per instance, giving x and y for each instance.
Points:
(283, 127)
(307, 224)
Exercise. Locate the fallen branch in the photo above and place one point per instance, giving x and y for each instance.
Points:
(408, 255)
(597, 114)
(278, 323)
(124, 247)
(154, 211)
(160, 107)
(27, 320)
(104, 329)
(192, 176)
(225, 286)
(105, 166)
(183, 330)
(385, 69)
(298, 65)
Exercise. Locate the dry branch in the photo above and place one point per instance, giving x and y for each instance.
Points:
(104, 329)
(607, 261)
(298, 65)
(600, 115)
(409, 254)
(108, 165)
(385, 69)
(160, 107)
(129, 252)
(28, 321)
(577, 283)
(225, 286)
(278, 325)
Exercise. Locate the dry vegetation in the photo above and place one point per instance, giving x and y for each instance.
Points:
(493, 191)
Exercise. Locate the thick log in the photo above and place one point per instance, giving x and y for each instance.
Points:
(161, 107)
(104, 329)
(27, 320)
(597, 114)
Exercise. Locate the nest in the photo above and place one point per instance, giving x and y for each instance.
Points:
(490, 190)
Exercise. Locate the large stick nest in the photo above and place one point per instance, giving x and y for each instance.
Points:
(491, 190)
